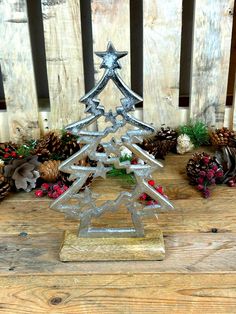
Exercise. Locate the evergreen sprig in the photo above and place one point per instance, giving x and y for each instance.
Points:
(121, 173)
(197, 131)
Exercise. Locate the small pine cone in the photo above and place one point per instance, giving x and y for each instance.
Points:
(49, 170)
(69, 149)
(48, 145)
(4, 187)
(164, 141)
(69, 145)
(222, 137)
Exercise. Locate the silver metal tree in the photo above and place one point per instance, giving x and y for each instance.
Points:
(81, 205)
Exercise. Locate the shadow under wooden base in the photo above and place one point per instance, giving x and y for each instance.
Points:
(150, 247)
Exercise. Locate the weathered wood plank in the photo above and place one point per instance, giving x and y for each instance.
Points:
(190, 215)
(185, 252)
(4, 130)
(105, 15)
(234, 107)
(121, 293)
(63, 44)
(210, 60)
(17, 71)
(161, 51)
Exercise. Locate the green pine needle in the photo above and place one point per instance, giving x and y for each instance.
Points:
(197, 131)
(121, 173)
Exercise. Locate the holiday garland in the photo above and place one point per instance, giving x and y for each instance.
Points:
(35, 164)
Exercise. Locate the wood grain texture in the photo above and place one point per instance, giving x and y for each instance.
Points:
(63, 44)
(78, 249)
(210, 60)
(161, 56)
(17, 71)
(185, 253)
(111, 22)
(121, 293)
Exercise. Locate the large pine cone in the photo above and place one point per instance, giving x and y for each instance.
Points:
(162, 143)
(223, 137)
(47, 146)
(49, 170)
(4, 187)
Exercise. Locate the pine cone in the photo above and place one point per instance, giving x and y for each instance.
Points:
(23, 173)
(200, 162)
(69, 145)
(4, 187)
(47, 146)
(162, 143)
(226, 157)
(49, 170)
(222, 137)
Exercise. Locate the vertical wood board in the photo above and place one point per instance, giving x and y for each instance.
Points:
(111, 22)
(4, 129)
(161, 55)
(210, 60)
(17, 70)
(234, 106)
(63, 44)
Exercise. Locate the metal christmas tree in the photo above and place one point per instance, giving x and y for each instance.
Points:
(81, 205)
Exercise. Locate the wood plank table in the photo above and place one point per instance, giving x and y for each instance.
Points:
(197, 276)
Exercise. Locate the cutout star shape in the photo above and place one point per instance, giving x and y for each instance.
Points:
(110, 57)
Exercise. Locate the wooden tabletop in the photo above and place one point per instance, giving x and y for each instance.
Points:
(197, 276)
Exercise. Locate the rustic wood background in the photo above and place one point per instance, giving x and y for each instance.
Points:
(26, 115)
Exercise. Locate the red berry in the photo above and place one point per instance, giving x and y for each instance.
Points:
(6, 149)
(56, 187)
(206, 160)
(60, 191)
(143, 196)
(214, 168)
(200, 187)
(38, 193)
(50, 194)
(219, 174)
(13, 154)
(200, 180)
(6, 155)
(159, 189)
(45, 186)
(150, 202)
(55, 194)
(151, 182)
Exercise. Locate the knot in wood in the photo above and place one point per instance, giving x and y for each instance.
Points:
(56, 300)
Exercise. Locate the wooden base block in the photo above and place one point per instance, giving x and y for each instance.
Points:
(75, 248)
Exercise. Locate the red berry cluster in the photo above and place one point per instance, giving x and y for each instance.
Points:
(53, 190)
(208, 172)
(146, 198)
(9, 153)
